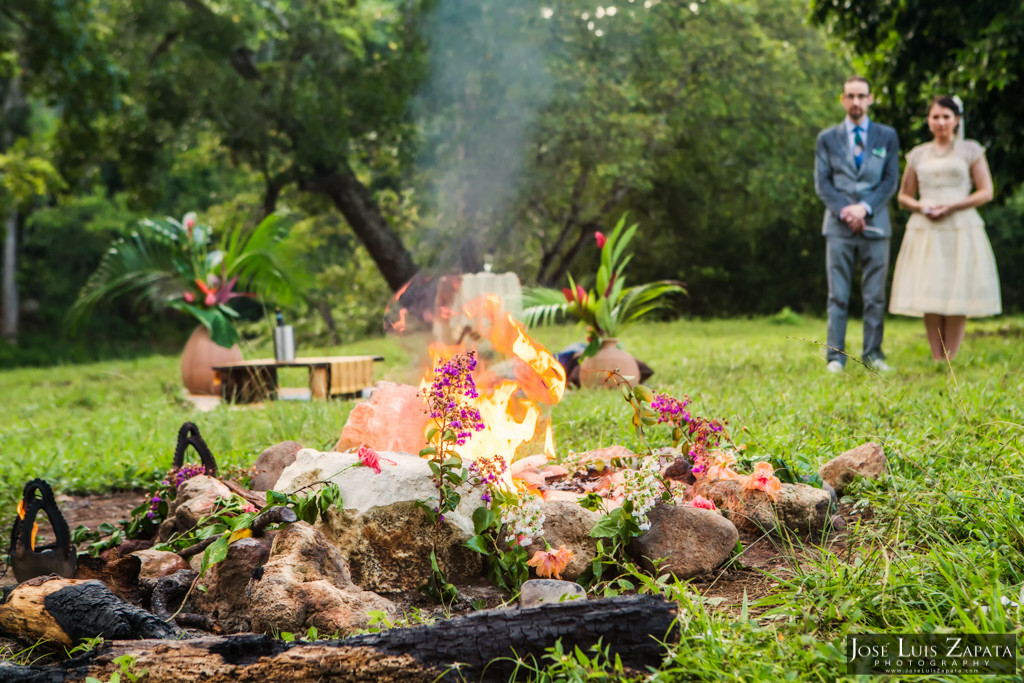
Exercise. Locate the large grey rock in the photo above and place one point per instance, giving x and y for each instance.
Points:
(802, 508)
(867, 460)
(272, 462)
(385, 538)
(545, 591)
(306, 583)
(567, 523)
(692, 541)
(403, 478)
(195, 499)
(388, 547)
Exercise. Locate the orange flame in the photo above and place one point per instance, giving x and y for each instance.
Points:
(509, 408)
(35, 527)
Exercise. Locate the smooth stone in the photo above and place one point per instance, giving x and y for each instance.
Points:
(546, 591)
(867, 460)
(569, 524)
(195, 499)
(157, 563)
(691, 541)
(272, 462)
(803, 508)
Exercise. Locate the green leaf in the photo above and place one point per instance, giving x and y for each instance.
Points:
(431, 433)
(483, 518)
(429, 450)
(215, 553)
(479, 544)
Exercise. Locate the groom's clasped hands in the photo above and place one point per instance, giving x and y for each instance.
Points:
(853, 215)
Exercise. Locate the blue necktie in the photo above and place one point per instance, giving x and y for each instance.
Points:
(858, 146)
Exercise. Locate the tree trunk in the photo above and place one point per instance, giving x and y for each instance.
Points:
(9, 285)
(354, 202)
(323, 307)
(630, 627)
(10, 306)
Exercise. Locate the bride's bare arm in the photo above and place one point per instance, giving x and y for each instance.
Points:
(907, 196)
(982, 194)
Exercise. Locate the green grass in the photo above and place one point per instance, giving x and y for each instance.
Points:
(946, 538)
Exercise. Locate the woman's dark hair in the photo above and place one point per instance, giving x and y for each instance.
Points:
(947, 102)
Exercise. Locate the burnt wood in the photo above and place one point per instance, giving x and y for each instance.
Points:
(189, 435)
(482, 646)
(59, 557)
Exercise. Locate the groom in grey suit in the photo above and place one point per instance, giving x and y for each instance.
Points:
(856, 171)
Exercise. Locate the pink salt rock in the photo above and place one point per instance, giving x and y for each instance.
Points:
(553, 472)
(551, 495)
(531, 476)
(605, 456)
(533, 461)
(394, 419)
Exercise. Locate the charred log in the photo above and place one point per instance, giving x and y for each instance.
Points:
(482, 646)
(69, 610)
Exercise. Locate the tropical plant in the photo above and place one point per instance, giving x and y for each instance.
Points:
(610, 307)
(170, 264)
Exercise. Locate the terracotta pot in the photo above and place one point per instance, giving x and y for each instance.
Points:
(594, 370)
(198, 359)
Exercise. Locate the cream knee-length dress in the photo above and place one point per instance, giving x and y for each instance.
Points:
(945, 266)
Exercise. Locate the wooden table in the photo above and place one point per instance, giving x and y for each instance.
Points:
(256, 380)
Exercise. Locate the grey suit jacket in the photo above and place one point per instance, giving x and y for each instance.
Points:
(838, 182)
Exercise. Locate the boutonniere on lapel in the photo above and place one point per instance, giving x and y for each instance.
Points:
(880, 152)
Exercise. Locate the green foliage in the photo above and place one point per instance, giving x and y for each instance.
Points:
(310, 506)
(505, 565)
(168, 263)
(448, 476)
(975, 51)
(126, 672)
(611, 307)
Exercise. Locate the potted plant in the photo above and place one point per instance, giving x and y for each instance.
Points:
(179, 265)
(606, 310)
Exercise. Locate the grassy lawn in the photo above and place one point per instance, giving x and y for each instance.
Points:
(946, 538)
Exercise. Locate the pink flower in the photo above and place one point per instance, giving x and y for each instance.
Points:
(721, 468)
(702, 502)
(601, 239)
(190, 297)
(249, 508)
(550, 562)
(190, 220)
(369, 458)
(763, 479)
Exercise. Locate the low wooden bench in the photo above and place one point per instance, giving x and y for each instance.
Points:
(256, 380)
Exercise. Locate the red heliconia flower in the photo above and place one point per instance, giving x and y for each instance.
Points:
(581, 294)
(568, 295)
(601, 239)
(210, 292)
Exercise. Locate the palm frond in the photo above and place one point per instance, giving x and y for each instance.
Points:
(543, 306)
(138, 264)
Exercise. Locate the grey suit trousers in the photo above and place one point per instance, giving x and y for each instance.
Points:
(841, 256)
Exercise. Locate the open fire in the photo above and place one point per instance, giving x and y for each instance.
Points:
(510, 407)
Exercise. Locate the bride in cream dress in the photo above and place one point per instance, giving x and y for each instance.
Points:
(945, 270)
